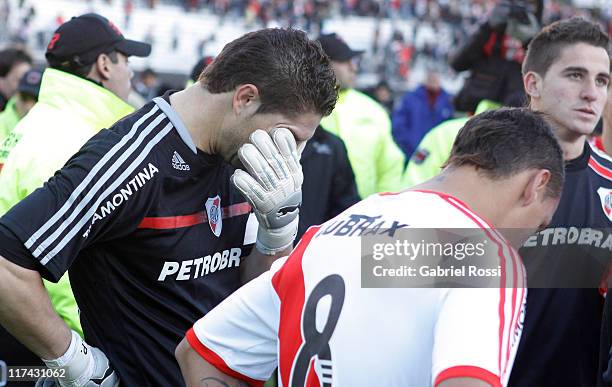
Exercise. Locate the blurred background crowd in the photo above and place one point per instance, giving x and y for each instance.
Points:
(424, 61)
(401, 38)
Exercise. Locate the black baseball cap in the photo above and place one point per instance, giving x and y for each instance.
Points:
(336, 48)
(30, 82)
(79, 41)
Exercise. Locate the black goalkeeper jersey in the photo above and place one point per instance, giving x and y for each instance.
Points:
(566, 270)
(151, 232)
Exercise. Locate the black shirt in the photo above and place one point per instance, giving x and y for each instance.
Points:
(329, 183)
(565, 266)
(151, 232)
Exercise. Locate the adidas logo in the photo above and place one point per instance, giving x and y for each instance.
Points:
(179, 163)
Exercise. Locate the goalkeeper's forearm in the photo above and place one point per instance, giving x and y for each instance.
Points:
(26, 312)
(257, 263)
(198, 372)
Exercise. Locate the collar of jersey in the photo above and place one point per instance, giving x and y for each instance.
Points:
(82, 98)
(446, 196)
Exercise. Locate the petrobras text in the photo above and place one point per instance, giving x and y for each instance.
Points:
(199, 267)
(571, 236)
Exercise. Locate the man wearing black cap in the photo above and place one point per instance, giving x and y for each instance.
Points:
(363, 125)
(84, 90)
(92, 47)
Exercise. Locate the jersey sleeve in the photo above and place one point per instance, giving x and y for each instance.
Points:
(100, 194)
(478, 330)
(239, 336)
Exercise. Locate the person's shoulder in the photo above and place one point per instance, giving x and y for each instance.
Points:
(324, 136)
(418, 91)
(364, 101)
(141, 119)
(132, 140)
(141, 130)
(42, 131)
(410, 98)
(368, 112)
(41, 117)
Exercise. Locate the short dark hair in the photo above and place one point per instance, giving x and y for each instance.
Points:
(11, 57)
(291, 72)
(83, 71)
(547, 45)
(506, 141)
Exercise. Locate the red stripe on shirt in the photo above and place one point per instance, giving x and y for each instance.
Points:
(502, 304)
(499, 241)
(502, 285)
(597, 142)
(514, 318)
(216, 360)
(236, 210)
(172, 222)
(288, 283)
(600, 169)
(468, 372)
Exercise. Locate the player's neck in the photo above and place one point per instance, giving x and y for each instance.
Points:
(572, 146)
(201, 112)
(572, 143)
(488, 200)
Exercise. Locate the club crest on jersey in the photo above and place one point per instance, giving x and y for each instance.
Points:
(605, 194)
(215, 218)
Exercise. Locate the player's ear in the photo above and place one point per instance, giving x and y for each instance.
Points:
(532, 82)
(535, 188)
(246, 100)
(102, 68)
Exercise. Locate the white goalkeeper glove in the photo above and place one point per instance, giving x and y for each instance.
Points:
(84, 366)
(273, 187)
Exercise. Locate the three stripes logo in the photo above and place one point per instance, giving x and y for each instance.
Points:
(179, 163)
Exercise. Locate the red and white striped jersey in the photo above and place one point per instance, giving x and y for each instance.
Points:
(310, 316)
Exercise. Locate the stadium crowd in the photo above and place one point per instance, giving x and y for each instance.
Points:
(151, 234)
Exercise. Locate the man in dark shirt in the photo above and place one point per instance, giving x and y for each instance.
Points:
(566, 74)
(329, 183)
(146, 220)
